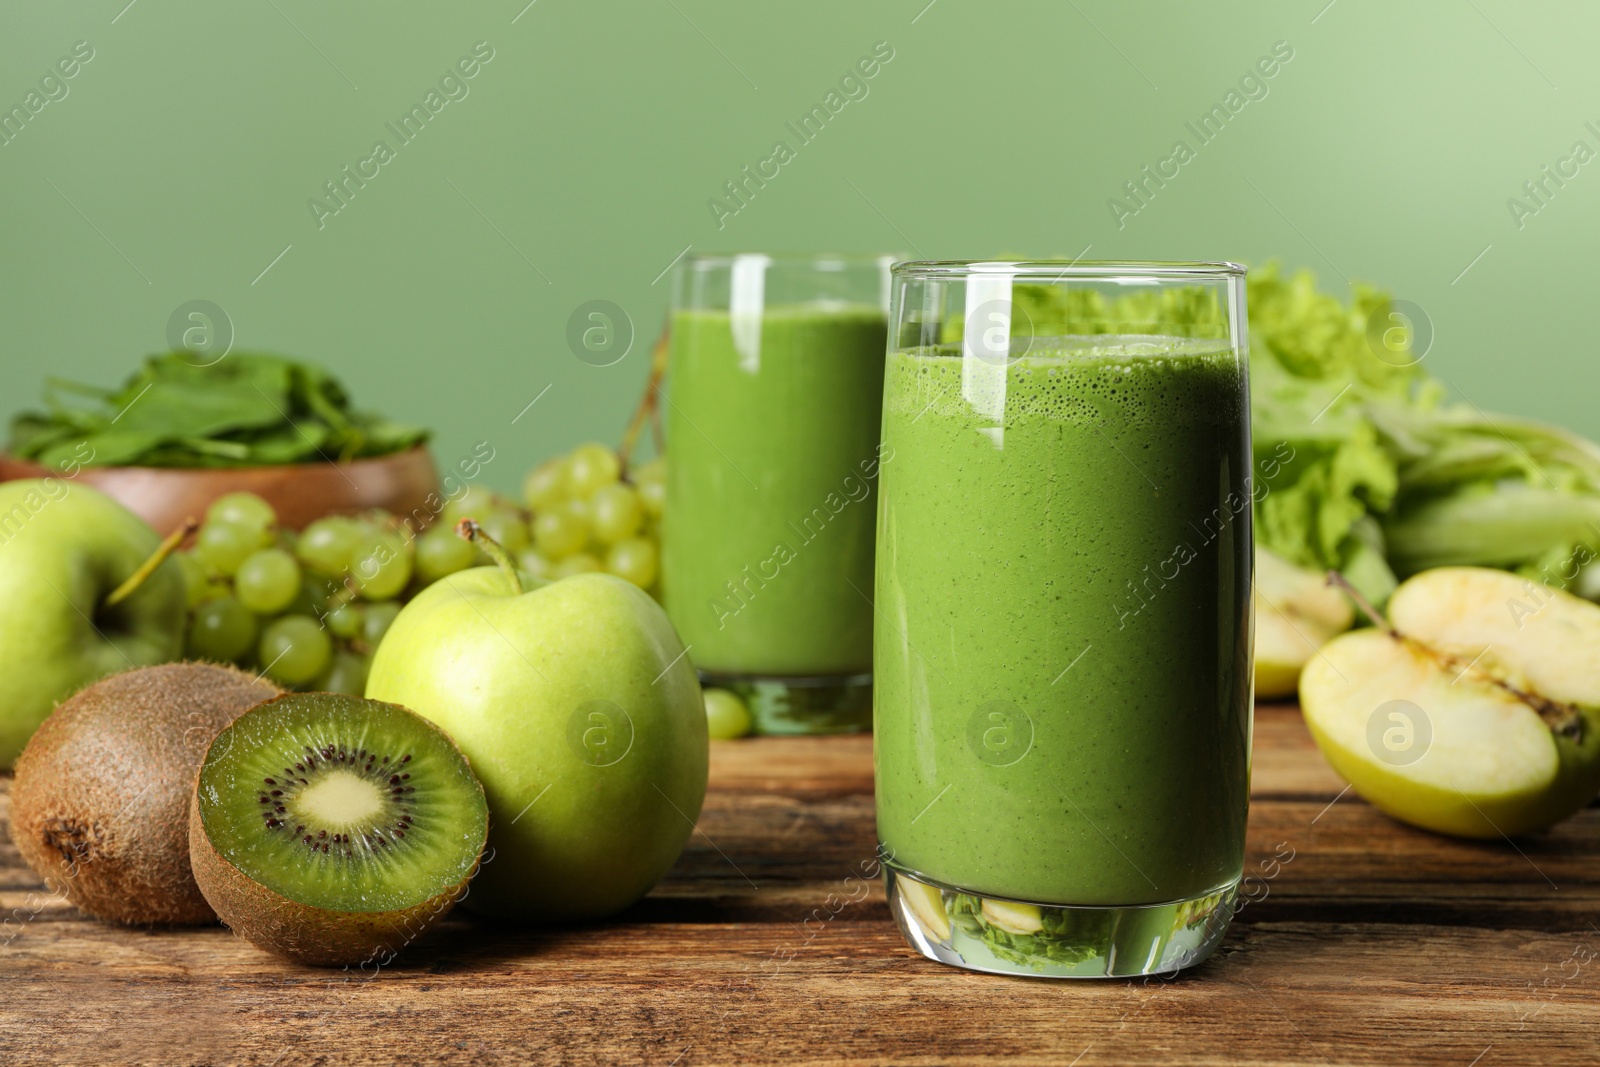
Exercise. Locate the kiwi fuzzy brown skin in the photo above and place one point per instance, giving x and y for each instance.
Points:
(100, 803)
(305, 933)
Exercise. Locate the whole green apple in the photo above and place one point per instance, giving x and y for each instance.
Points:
(582, 717)
(63, 549)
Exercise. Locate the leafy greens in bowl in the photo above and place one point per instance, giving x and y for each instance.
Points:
(248, 410)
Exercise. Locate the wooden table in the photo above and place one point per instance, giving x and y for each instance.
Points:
(1374, 944)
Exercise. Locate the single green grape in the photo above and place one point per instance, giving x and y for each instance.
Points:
(615, 514)
(196, 583)
(222, 546)
(726, 715)
(579, 563)
(590, 468)
(221, 631)
(534, 564)
(382, 566)
(267, 581)
(474, 503)
(294, 649)
(316, 592)
(581, 509)
(560, 531)
(377, 621)
(374, 522)
(652, 483)
(441, 551)
(635, 560)
(327, 545)
(507, 527)
(345, 620)
(347, 673)
(242, 509)
(546, 484)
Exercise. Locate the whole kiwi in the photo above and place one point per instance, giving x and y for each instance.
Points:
(100, 804)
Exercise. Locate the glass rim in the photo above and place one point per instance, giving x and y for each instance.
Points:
(699, 261)
(1059, 269)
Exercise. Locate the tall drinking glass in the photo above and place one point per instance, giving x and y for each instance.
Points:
(1063, 681)
(773, 414)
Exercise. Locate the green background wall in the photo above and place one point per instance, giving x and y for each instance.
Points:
(581, 161)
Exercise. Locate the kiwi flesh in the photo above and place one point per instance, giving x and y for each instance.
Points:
(100, 803)
(333, 830)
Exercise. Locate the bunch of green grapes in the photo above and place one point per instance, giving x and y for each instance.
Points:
(306, 610)
(588, 517)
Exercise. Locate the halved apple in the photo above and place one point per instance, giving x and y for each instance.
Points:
(1476, 712)
(927, 904)
(1012, 917)
(1296, 614)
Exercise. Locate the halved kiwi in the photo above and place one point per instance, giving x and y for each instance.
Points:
(334, 830)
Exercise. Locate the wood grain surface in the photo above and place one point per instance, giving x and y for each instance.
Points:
(1374, 944)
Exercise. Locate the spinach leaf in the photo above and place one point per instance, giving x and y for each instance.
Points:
(250, 409)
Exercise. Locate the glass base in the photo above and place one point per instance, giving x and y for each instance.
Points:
(1002, 936)
(827, 704)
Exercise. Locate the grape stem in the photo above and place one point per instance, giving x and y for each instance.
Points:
(469, 530)
(148, 567)
(650, 403)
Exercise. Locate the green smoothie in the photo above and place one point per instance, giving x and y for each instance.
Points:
(772, 426)
(1062, 709)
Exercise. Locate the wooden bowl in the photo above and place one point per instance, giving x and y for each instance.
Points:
(299, 492)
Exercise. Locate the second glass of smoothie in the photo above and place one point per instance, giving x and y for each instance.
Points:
(1063, 681)
(773, 410)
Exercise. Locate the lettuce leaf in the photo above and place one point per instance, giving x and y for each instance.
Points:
(1384, 467)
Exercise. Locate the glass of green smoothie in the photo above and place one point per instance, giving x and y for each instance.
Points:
(1063, 625)
(772, 408)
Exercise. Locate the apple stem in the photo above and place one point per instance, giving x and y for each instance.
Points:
(469, 530)
(167, 547)
(1339, 581)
